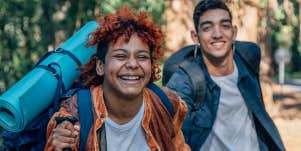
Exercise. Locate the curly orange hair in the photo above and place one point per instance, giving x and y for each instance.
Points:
(124, 23)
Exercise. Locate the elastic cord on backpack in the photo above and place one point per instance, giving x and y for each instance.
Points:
(62, 51)
(60, 88)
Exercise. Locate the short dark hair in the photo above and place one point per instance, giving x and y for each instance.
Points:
(206, 5)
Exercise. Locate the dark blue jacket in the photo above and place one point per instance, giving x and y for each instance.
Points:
(197, 131)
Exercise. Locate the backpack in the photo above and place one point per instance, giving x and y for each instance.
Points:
(33, 137)
(185, 59)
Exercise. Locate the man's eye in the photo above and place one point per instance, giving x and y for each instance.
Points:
(206, 28)
(226, 26)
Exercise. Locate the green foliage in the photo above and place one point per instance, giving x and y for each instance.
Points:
(28, 29)
(285, 41)
(154, 7)
(284, 28)
(279, 13)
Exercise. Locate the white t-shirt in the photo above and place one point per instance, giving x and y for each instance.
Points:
(233, 129)
(126, 137)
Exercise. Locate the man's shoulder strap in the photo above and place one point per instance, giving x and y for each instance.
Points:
(85, 115)
(191, 67)
(173, 62)
(250, 53)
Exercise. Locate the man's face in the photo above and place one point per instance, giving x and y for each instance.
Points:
(127, 67)
(215, 34)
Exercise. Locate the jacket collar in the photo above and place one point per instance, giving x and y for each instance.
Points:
(241, 67)
(242, 70)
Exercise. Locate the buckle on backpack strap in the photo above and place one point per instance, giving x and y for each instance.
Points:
(71, 119)
(59, 50)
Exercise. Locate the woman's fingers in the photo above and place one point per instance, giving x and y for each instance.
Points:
(65, 135)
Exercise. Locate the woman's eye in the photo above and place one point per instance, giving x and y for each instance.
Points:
(120, 56)
(143, 57)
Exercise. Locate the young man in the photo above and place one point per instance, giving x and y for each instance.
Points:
(127, 115)
(232, 116)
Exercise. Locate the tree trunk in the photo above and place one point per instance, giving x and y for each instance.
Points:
(178, 24)
(299, 2)
(245, 17)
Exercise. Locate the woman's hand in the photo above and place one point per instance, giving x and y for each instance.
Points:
(65, 135)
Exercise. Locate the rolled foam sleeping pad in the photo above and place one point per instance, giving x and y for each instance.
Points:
(35, 91)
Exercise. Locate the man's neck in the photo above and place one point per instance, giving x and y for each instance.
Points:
(219, 67)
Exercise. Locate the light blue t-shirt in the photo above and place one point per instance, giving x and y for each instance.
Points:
(233, 129)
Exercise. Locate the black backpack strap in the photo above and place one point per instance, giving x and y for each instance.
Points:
(163, 97)
(85, 115)
(250, 54)
(191, 67)
(173, 62)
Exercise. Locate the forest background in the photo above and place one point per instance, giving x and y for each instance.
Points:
(30, 28)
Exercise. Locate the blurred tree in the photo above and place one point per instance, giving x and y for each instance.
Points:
(285, 30)
(178, 24)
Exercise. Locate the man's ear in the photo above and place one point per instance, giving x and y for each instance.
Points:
(235, 30)
(194, 37)
(99, 68)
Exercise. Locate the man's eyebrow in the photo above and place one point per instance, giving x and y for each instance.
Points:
(205, 22)
(210, 22)
(226, 20)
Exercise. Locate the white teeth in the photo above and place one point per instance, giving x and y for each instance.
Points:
(217, 43)
(130, 77)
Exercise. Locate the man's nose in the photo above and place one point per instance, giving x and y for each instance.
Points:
(217, 33)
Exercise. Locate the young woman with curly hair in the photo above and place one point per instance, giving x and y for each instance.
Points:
(127, 115)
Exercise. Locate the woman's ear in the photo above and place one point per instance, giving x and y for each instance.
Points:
(99, 68)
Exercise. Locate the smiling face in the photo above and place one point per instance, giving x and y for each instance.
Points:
(215, 34)
(127, 68)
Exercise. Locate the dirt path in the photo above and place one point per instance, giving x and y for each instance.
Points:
(288, 119)
(290, 131)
